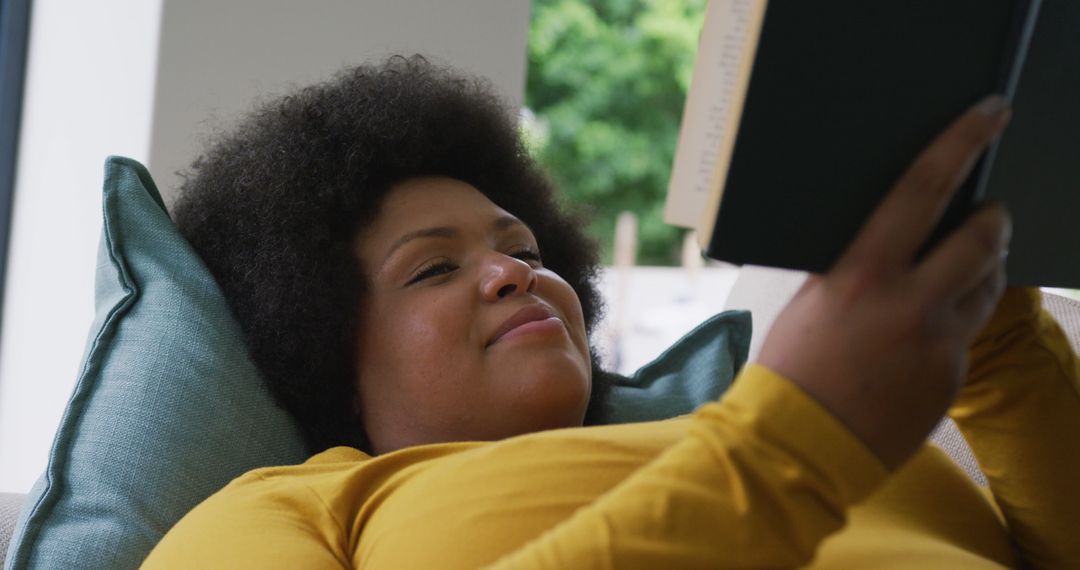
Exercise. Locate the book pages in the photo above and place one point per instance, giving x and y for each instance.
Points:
(710, 117)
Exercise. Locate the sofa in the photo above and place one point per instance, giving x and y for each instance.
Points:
(765, 292)
(10, 504)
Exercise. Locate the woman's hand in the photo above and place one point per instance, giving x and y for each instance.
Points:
(881, 341)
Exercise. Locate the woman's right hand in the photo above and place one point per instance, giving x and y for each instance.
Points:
(881, 340)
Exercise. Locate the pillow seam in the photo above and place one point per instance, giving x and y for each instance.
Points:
(59, 455)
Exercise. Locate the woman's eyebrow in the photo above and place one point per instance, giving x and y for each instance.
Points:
(501, 224)
(439, 231)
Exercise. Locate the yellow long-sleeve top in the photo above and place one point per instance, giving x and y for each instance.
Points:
(764, 478)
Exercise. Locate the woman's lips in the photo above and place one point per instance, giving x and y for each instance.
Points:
(528, 320)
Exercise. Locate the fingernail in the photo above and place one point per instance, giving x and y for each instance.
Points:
(1006, 231)
(998, 210)
(1006, 234)
(992, 106)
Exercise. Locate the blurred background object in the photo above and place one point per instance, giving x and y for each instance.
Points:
(606, 84)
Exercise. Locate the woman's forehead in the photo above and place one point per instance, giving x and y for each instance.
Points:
(433, 200)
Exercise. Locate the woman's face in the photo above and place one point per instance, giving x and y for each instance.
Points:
(464, 335)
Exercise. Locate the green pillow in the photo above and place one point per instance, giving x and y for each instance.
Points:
(168, 406)
(167, 409)
(696, 369)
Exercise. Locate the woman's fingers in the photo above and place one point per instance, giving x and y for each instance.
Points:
(966, 258)
(903, 221)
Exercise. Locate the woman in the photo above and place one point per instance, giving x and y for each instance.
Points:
(414, 296)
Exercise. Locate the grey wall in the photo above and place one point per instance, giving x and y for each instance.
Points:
(217, 56)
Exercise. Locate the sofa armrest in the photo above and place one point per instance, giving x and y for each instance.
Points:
(1066, 312)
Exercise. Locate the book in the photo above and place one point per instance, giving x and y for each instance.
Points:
(801, 116)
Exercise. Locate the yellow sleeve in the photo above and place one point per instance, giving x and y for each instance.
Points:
(762, 477)
(1020, 413)
(264, 526)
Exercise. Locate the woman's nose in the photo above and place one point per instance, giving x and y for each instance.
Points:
(505, 276)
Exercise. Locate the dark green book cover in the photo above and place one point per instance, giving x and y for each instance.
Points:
(844, 94)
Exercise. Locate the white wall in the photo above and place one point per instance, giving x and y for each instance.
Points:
(89, 93)
(100, 82)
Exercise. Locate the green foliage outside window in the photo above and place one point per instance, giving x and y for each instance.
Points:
(607, 80)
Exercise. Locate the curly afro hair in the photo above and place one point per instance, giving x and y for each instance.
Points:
(274, 207)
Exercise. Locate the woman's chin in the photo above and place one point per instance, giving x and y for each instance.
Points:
(548, 383)
(552, 362)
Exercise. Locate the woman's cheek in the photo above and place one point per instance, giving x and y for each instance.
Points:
(566, 299)
(435, 326)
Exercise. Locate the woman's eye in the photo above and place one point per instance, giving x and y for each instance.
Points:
(528, 254)
(432, 270)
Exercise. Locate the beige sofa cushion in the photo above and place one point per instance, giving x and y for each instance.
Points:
(10, 503)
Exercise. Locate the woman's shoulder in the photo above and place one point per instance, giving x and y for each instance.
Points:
(345, 479)
(348, 475)
(336, 470)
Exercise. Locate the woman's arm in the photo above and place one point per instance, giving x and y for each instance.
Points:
(1020, 412)
(255, 523)
(761, 478)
